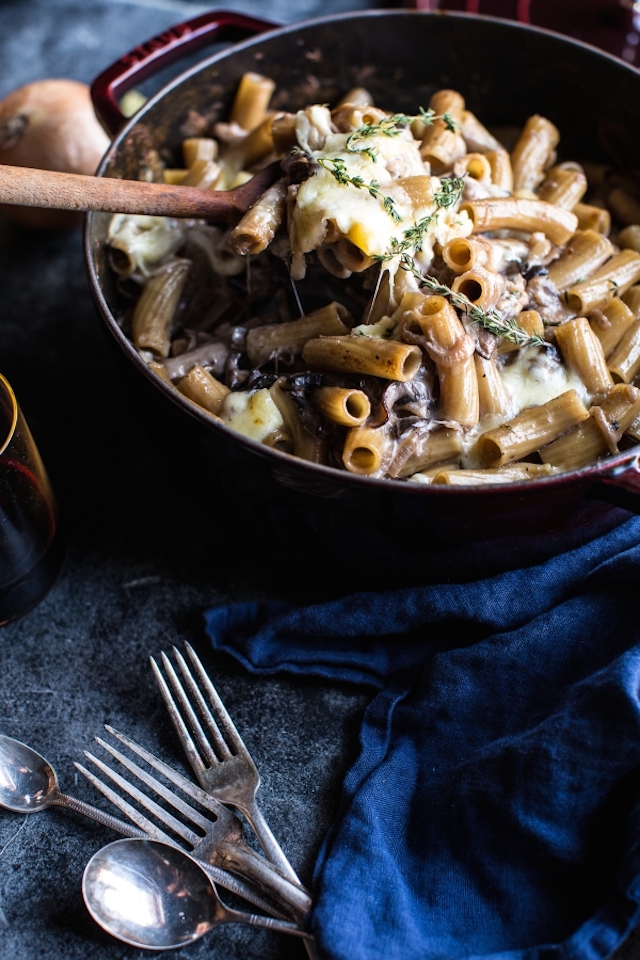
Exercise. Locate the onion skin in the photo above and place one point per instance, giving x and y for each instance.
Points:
(50, 125)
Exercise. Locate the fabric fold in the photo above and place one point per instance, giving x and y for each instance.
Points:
(494, 810)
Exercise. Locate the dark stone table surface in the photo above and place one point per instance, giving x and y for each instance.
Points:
(141, 568)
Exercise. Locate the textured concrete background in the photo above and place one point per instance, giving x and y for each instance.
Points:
(142, 563)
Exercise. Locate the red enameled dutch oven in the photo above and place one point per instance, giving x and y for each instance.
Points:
(506, 71)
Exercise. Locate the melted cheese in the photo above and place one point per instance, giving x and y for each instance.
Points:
(535, 377)
(353, 212)
(145, 240)
(254, 415)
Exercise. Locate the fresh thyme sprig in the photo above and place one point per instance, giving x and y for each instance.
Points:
(507, 328)
(338, 168)
(392, 126)
(450, 192)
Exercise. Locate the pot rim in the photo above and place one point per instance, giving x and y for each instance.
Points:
(589, 474)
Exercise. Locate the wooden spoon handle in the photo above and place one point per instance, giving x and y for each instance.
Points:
(27, 187)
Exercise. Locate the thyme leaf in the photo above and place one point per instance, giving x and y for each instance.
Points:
(450, 192)
(338, 169)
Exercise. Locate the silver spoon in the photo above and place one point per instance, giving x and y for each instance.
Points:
(28, 784)
(152, 895)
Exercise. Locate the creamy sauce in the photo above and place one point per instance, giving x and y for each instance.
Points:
(255, 415)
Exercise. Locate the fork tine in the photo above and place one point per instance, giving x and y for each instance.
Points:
(188, 788)
(156, 786)
(162, 815)
(205, 713)
(188, 714)
(183, 734)
(222, 716)
(151, 829)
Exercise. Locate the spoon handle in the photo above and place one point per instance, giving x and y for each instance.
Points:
(79, 806)
(29, 187)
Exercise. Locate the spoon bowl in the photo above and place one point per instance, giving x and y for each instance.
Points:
(27, 781)
(152, 895)
(149, 895)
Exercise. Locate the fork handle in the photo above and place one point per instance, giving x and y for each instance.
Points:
(79, 806)
(268, 842)
(242, 860)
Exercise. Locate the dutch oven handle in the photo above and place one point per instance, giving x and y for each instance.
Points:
(620, 485)
(145, 60)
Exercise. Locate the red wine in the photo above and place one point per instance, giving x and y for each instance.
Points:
(31, 549)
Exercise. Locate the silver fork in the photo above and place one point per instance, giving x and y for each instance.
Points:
(216, 752)
(222, 845)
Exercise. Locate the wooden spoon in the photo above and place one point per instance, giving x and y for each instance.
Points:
(27, 187)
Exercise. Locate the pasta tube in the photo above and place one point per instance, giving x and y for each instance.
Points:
(632, 300)
(255, 146)
(203, 174)
(585, 252)
(342, 405)
(595, 437)
(283, 132)
(357, 97)
(156, 306)
(264, 342)
(630, 237)
(501, 171)
(258, 227)
(203, 389)
(564, 186)
(451, 349)
(475, 134)
(419, 449)
(624, 362)
(613, 279)
(199, 148)
(513, 473)
(440, 145)
(493, 396)
(483, 288)
(251, 100)
(593, 218)
(533, 151)
(531, 429)
(467, 253)
(389, 359)
(583, 353)
(474, 165)
(174, 176)
(351, 257)
(367, 450)
(611, 324)
(521, 213)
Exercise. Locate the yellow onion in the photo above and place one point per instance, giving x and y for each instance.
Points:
(51, 125)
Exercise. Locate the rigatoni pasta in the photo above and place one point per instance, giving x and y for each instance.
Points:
(467, 316)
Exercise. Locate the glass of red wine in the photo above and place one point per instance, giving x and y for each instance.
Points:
(31, 549)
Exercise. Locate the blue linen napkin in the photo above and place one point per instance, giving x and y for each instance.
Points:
(494, 810)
